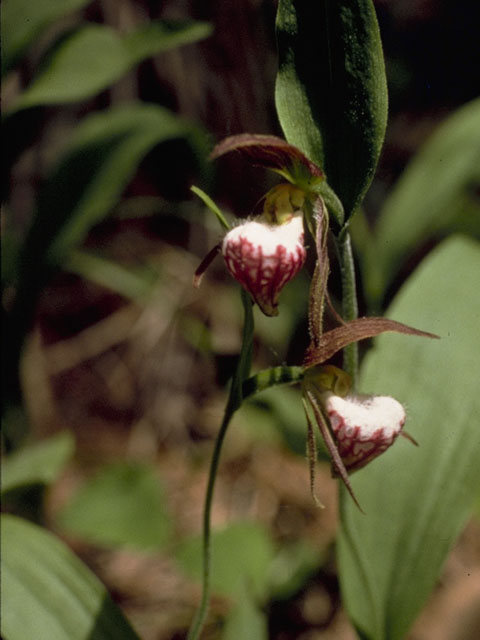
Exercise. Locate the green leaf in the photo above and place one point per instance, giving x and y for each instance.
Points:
(23, 21)
(435, 196)
(331, 94)
(95, 56)
(245, 621)
(86, 183)
(417, 499)
(293, 567)
(134, 284)
(100, 160)
(80, 66)
(37, 464)
(232, 572)
(49, 594)
(124, 504)
(157, 37)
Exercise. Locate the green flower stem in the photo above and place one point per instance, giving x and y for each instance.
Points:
(234, 401)
(268, 378)
(349, 300)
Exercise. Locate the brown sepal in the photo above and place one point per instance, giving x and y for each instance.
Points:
(206, 262)
(266, 151)
(353, 331)
(338, 467)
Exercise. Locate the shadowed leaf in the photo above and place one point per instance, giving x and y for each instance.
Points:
(37, 464)
(331, 94)
(24, 20)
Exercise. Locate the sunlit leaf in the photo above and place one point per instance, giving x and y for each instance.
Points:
(124, 504)
(23, 21)
(37, 464)
(331, 92)
(436, 195)
(418, 499)
(49, 594)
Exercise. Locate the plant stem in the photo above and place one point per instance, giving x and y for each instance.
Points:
(235, 398)
(349, 300)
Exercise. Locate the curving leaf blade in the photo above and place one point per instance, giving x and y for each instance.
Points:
(49, 594)
(94, 56)
(414, 212)
(82, 189)
(40, 463)
(23, 21)
(79, 66)
(333, 341)
(331, 94)
(417, 500)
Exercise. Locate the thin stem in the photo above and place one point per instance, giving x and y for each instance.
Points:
(349, 300)
(242, 371)
(268, 378)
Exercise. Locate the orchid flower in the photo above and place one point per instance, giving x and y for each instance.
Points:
(263, 255)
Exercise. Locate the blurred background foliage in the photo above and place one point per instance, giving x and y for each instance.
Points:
(110, 109)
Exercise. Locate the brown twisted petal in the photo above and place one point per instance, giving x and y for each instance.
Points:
(266, 151)
(333, 341)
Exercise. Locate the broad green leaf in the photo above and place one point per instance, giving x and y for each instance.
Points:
(331, 95)
(124, 504)
(23, 21)
(37, 464)
(418, 499)
(435, 196)
(231, 571)
(49, 594)
(83, 64)
(160, 36)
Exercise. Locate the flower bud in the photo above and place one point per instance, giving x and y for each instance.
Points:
(363, 426)
(263, 258)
